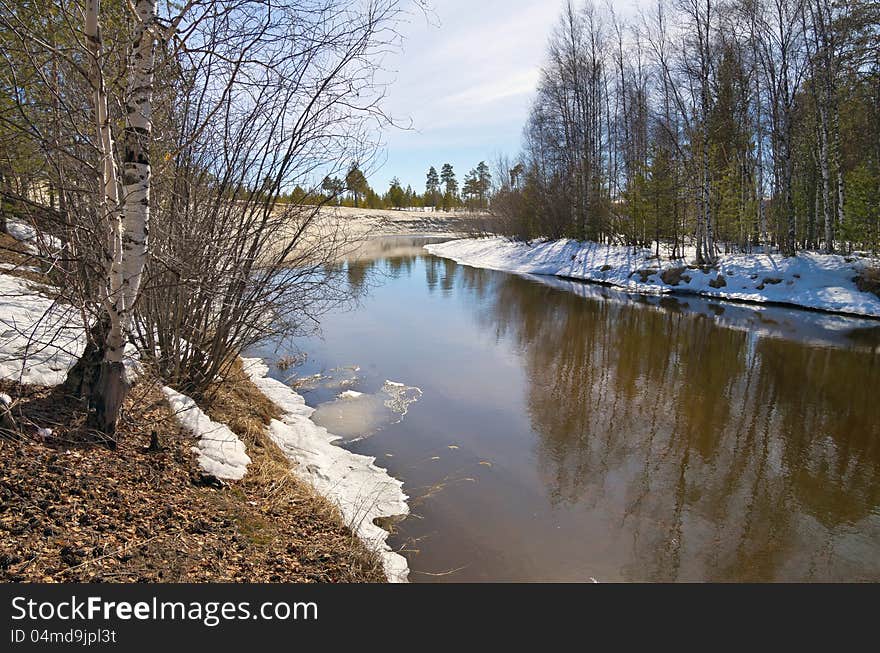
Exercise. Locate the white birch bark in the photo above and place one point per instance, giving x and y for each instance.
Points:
(137, 172)
(128, 265)
(826, 179)
(838, 165)
(109, 181)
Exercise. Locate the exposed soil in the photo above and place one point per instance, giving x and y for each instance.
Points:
(674, 276)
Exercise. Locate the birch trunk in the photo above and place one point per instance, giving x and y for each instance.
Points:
(109, 204)
(137, 173)
(130, 227)
(3, 227)
(837, 164)
(826, 180)
(762, 210)
(704, 35)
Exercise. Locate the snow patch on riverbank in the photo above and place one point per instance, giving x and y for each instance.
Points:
(363, 491)
(809, 280)
(40, 339)
(220, 451)
(33, 241)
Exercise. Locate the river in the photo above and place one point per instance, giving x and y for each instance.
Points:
(548, 430)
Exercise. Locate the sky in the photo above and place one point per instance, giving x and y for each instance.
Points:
(462, 84)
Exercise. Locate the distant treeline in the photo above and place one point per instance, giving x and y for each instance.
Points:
(442, 191)
(724, 125)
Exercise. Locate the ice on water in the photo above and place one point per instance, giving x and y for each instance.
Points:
(354, 415)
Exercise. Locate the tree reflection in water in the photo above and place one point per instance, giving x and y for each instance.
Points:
(734, 455)
(631, 437)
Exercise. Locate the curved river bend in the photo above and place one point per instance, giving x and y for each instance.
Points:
(556, 431)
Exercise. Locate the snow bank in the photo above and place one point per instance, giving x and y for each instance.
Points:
(21, 231)
(32, 240)
(820, 329)
(39, 338)
(362, 490)
(810, 280)
(220, 451)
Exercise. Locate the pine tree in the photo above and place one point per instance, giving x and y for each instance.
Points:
(333, 188)
(483, 183)
(447, 176)
(396, 195)
(356, 183)
(471, 189)
(432, 187)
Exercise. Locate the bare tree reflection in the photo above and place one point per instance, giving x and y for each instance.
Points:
(718, 453)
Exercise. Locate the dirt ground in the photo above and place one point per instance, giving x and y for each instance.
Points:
(72, 509)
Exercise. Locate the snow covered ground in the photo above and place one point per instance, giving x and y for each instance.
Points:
(219, 450)
(362, 490)
(39, 338)
(34, 242)
(808, 280)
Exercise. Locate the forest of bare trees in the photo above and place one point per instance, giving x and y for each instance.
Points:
(717, 125)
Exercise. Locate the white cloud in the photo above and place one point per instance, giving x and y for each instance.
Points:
(465, 82)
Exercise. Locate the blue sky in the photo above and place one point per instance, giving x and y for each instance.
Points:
(464, 80)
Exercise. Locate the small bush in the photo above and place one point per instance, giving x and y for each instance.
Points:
(869, 281)
(718, 282)
(674, 276)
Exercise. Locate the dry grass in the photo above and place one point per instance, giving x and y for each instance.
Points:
(270, 484)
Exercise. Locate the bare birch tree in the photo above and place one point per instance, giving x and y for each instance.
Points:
(190, 257)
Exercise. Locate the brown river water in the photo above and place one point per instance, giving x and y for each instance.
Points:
(548, 430)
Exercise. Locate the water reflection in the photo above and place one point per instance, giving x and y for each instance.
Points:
(736, 456)
(630, 437)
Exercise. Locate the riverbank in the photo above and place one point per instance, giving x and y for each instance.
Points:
(192, 494)
(815, 281)
(75, 511)
(363, 223)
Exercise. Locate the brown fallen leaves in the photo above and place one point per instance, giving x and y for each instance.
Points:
(73, 510)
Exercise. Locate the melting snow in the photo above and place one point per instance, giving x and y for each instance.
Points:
(356, 415)
(808, 280)
(220, 451)
(363, 491)
(39, 338)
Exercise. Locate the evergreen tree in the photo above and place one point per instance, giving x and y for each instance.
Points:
(447, 176)
(333, 188)
(356, 183)
(432, 187)
(483, 183)
(396, 196)
(471, 189)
